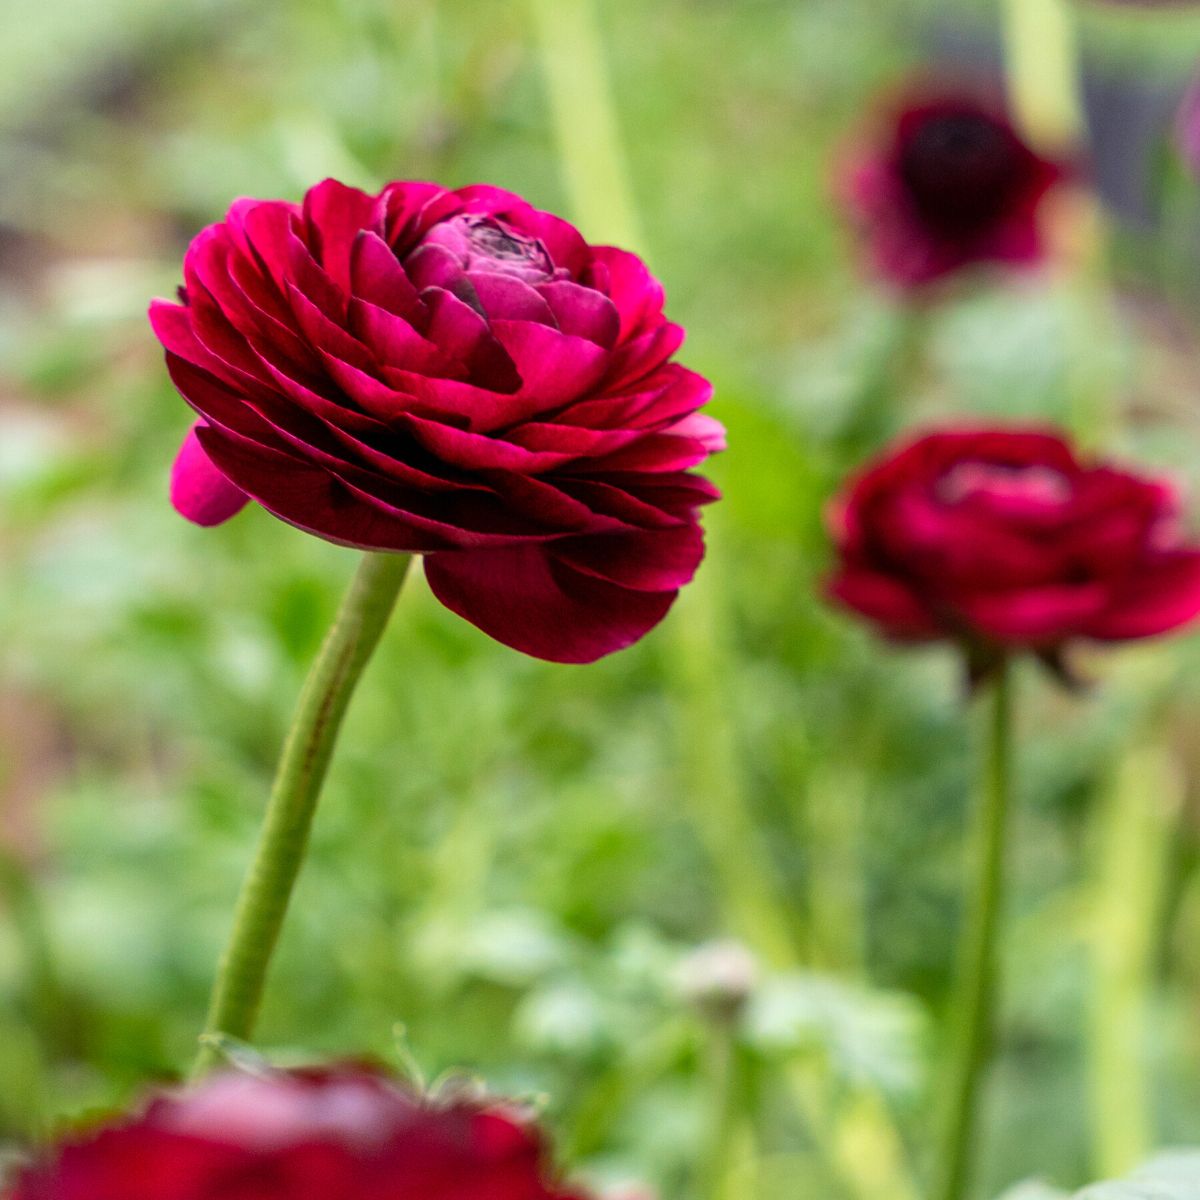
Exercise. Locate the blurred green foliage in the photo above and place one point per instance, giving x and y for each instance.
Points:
(513, 859)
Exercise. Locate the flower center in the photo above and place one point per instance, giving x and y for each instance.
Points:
(960, 168)
(999, 482)
(487, 244)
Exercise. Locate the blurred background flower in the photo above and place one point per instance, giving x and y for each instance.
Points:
(948, 184)
(340, 1132)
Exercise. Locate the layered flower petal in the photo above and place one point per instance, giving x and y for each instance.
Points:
(538, 601)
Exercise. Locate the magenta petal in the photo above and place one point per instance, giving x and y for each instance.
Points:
(527, 599)
(376, 275)
(504, 297)
(335, 215)
(638, 296)
(198, 490)
(554, 367)
(583, 311)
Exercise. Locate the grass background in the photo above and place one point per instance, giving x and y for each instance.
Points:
(513, 858)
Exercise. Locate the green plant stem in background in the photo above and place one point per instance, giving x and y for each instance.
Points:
(597, 180)
(1042, 55)
(718, 1179)
(974, 1010)
(283, 841)
(30, 1040)
(19, 891)
(891, 368)
(1044, 70)
(1135, 824)
(597, 175)
(751, 892)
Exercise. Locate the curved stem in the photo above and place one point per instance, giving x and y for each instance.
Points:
(283, 841)
(975, 1009)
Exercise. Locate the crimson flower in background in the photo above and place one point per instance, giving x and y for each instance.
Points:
(456, 374)
(947, 184)
(338, 1134)
(1004, 539)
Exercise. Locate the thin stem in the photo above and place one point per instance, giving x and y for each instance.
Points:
(1136, 821)
(283, 841)
(585, 118)
(1042, 53)
(19, 889)
(722, 1134)
(975, 1009)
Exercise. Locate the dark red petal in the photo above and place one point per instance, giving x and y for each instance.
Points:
(477, 452)
(1161, 596)
(525, 598)
(266, 228)
(884, 600)
(335, 215)
(392, 341)
(376, 275)
(312, 499)
(1037, 615)
(657, 560)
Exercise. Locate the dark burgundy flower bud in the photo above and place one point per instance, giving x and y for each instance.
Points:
(340, 1134)
(1004, 539)
(454, 374)
(948, 184)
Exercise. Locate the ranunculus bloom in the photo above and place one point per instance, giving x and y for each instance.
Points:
(341, 1134)
(456, 374)
(947, 184)
(1005, 539)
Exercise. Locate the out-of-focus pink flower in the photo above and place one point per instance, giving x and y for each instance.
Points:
(946, 184)
(1187, 127)
(1004, 539)
(455, 374)
(340, 1134)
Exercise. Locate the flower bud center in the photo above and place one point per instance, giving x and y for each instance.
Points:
(487, 244)
(1003, 483)
(960, 168)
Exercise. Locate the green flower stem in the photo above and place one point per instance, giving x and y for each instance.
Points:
(581, 102)
(1042, 53)
(263, 902)
(1137, 819)
(718, 1179)
(975, 1007)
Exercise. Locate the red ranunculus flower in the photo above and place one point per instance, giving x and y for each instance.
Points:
(340, 1134)
(947, 184)
(452, 373)
(1003, 538)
